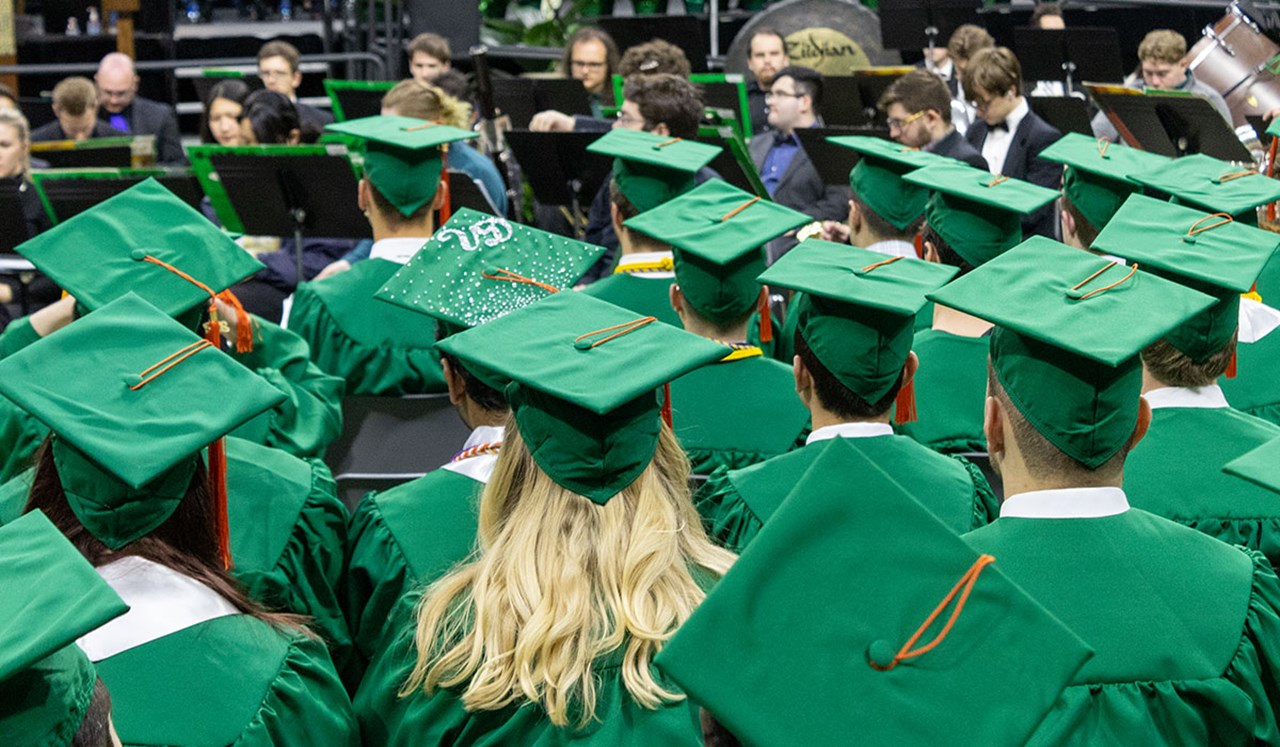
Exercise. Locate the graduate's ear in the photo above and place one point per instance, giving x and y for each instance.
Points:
(363, 198)
(615, 217)
(993, 418)
(909, 368)
(442, 193)
(855, 217)
(931, 253)
(804, 379)
(1144, 422)
(295, 137)
(1068, 226)
(677, 299)
(453, 380)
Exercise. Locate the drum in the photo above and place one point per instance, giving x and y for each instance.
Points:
(1237, 60)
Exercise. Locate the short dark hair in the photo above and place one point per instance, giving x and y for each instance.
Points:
(432, 45)
(1042, 10)
(95, 729)
(1085, 230)
(591, 33)
(482, 394)
(836, 397)
(666, 99)
(278, 48)
(808, 82)
(454, 83)
(626, 208)
(1175, 368)
(946, 255)
(653, 57)
(880, 226)
(766, 31)
(231, 89)
(272, 116)
(918, 91)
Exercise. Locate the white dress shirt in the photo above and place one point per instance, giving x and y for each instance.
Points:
(1066, 503)
(1207, 397)
(849, 430)
(479, 467)
(996, 147)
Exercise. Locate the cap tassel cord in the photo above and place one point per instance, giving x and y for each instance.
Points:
(1271, 172)
(665, 143)
(878, 265)
(1231, 365)
(905, 409)
(1196, 228)
(1001, 179)
(666, 404)
(446, 207)
(962, 587)
(1235, 175)
(1103, 144)
(169, 362)
(766, 318)
(739, 209)
(213, 331)
(515, 277)
(1132, 270)
(623, 329)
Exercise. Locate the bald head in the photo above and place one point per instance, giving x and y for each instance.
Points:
(117, 82)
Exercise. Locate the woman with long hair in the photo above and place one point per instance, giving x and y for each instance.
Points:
(223, 105)
(589, 551)
(123, 476)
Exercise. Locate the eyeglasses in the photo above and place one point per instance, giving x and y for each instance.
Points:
(624, 119)
(587, 64)
(900, 123)
(274, 74)
(781, 94)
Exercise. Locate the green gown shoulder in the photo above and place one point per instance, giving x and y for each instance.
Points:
(376, 347)
(737, 413)
(951, 391)
(403, 538)
(644, 295)
(1256, 388)
(1185, 629)
(735, 504)
(419, 720)
(1176, 472)
(232, 680)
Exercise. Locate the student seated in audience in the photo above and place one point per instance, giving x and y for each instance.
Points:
(278, 67)
(429, 56)
(223, 107)
(125, 110)
(766, 55)
(15, 171)
(591, 56)
(918, 108)
(75, 106)
(1162, 64)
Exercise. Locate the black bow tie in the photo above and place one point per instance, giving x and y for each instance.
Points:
(781, 139)
(1001, 126)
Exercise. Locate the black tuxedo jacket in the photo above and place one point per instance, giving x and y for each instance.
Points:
(1023, 162)
(955, 146)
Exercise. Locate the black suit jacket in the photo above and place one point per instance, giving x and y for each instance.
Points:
(51, 131)
(312, 121)
(800, 187)
(1023, 162)
(955, 146)
(147, 117)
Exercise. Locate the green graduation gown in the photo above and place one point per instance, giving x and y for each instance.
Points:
(1256, 389)
(421, 721)
(1185, 630)
(735, 504)
(303, 425)
(951, 392)
(377, 347)
(184, 672)
(409, 536)
(288, 535)
(1176, 470)
(736, 413)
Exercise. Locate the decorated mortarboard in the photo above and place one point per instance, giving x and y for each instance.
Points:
(403, 156)
(1211, 253)
(49, 597)
(857, 312)
(144, 240)
(652, 169)
(585, 375)
(977, 214)
(132, 398)
(856, 611)
(1097, 176)
(717, 233)
(1212, 185)
(877, 177)
(1260, 466)
(1069, 328)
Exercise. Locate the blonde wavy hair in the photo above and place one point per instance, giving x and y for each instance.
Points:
(558, 582)
(14, 119)
(409, 98)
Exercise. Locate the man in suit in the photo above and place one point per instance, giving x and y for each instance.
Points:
(125, 110)
(1008, 134)
(788, 174)
(766, 56)
(918, 106)
(278, 68)
(75, 102)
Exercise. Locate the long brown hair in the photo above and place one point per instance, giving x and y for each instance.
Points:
(185, 542)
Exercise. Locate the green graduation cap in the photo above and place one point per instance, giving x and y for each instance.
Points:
(1260, 466)
(132, 397)
(977, 214)
(584, 379)
(49, 597)
(717, 233)
(402, 156)
(1211, 253)
(857, 310)
(1096, 179)
(1212, 185)
(1069, 327)
(652, 169)
(877, 177)
(118, 245)
(819, 632)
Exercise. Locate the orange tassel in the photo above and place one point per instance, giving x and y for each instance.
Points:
(918, 242)
(1231, 366)
(446, 208)
(766, 319)
(666, 404)
(906, 403)
(244, 325)
(218, 491)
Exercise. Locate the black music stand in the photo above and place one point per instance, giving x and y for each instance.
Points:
(1259, 126)
(521, 98)
(110, 156)
(13, 229)
(1171, 124)
(1067, 113)
(842, 104)
(832, 161)
(359, 102)
(872, 83)
(922, 24)
(71, 195)
(466, 192)
(292, 195)
(559, 168)
(1069, 55)
(684, 32)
